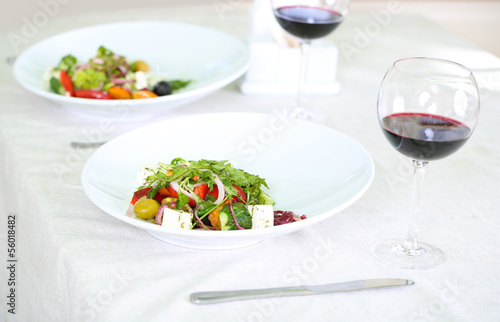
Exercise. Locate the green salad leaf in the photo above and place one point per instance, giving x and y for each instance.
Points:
(188, 173)
(179, 84)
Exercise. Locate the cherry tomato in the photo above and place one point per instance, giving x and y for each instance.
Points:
(88, 93)
(143, 94)
(119, 93)
(66, 82)
(138, 194)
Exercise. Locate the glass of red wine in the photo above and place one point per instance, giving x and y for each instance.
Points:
(307, 20)
(427, 108)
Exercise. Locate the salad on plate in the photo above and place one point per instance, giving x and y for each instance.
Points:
(205, 194)
(108, 76)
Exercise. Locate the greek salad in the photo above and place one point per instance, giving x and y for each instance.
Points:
(205, 194)
(108, 76)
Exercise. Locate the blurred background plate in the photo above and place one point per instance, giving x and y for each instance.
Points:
(317, 179)
(210, 58)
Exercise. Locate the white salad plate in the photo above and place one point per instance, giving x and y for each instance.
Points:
(317, 176)
(210, 58)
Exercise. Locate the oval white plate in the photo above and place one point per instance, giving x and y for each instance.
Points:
(210, 58)
(310, 169)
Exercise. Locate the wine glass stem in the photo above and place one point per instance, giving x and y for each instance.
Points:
(411, 244)
(304, 60)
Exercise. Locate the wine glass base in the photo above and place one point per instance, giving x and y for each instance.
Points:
(393, 252)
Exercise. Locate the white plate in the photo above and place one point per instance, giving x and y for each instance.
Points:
(173, 50)
(310, 169)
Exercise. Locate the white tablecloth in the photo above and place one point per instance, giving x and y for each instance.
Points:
(76, 263)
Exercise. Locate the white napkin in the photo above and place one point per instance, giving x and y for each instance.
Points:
(275, 59)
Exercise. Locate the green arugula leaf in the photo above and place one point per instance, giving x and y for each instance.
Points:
(56, 86)
(179, 84)
(183, 172)
(182, 200)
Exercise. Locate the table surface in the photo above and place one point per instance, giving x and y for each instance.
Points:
(76, 263)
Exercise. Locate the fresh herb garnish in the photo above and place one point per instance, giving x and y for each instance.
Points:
(203, 169)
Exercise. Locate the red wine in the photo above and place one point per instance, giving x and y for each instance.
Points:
(424, 137)
(308, 22)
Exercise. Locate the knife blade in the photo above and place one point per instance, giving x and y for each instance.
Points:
(226, 296)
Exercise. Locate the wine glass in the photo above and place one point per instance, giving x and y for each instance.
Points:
(307, 20)
(427, 108)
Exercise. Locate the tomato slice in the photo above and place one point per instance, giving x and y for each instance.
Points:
(66, 82)
(89, 93)
(201, 191)
(138, 194)
(161, 194)
(242, 195)
(214, 192)
(172, 192)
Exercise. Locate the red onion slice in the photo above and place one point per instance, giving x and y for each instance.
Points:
(159, 214)
(121, 80)
(175, 185)
(195, 213)
(82, 67)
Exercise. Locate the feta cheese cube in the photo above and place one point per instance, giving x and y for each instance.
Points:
(141, 81)
(262, 216)
(176, 219)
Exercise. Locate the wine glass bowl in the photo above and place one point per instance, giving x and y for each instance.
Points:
(307, 20)
(427, 109)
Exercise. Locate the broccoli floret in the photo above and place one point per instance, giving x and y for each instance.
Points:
(89, 78)
(66, 63)
(103, 51)
(241, 214)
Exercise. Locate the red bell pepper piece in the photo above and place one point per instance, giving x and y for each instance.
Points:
(138, 194)
(89, 93)
(67, 83)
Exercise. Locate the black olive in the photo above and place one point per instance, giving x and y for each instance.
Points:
(162, 88)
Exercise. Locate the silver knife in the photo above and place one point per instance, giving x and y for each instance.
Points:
(226, 296)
